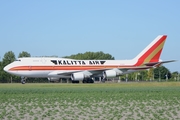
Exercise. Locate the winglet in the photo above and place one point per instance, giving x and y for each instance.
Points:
(152, 52)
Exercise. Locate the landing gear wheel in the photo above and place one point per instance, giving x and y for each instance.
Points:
(88, 80)
(75, 81)
(92, 81)
(84, 81)
(23, 80)
(103, 80)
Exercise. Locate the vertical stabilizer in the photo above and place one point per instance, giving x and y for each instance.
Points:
(152, 52)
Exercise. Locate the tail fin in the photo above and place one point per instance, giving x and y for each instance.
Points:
(152, 52)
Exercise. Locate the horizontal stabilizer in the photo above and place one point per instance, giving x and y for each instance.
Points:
(162, 62)
(156, 64)
(151, 63)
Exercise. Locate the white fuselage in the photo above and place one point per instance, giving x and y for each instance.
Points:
(45, 67)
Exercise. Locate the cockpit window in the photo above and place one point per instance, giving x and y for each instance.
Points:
(18, 60)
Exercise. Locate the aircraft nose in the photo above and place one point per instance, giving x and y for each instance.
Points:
(6, 68)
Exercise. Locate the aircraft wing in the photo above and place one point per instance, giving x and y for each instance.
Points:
(97, 72)
(91, 72)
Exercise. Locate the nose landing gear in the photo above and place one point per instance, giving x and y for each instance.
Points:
(23, 79)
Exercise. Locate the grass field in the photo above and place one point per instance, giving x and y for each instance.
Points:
(157, 100)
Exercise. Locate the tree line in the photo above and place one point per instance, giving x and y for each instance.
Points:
(153, 74)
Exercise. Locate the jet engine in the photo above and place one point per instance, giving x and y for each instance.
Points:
(112, 73)
(78, 76)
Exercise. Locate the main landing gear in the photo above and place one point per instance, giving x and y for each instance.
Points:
(88, 80)
(23, 80)
(75, 81)
(103, 80)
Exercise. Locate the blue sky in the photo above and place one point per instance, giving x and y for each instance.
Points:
(121, 28)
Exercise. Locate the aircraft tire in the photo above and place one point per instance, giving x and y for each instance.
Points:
(103, 80)
(84, 81)
(75, 81)
(23, 82)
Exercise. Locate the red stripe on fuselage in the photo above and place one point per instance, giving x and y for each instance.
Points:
(31, 68)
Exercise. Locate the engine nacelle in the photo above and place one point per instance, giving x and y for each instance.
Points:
(111, 73)
(77, 76)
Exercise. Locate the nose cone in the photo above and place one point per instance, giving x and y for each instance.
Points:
(6, 68)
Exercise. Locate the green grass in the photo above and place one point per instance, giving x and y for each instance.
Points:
(156, 100)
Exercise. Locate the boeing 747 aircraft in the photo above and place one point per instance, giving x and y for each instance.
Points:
(86, 70)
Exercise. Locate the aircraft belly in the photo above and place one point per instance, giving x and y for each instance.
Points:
(39, 74)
